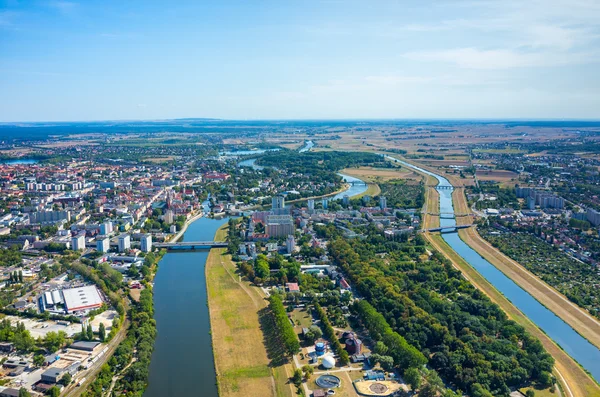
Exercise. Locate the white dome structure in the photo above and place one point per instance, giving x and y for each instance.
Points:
(328, 362)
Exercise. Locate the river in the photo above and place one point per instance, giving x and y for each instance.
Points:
(182, 361)
(586, 354)
(19, 161)
(307, 146)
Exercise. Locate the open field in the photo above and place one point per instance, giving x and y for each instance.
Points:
(241, 361)
(503, 177)
(574, 380)
(371, 174)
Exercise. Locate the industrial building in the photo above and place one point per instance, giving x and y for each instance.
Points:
(82, 298)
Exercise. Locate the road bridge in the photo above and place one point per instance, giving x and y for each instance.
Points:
(192, 245)
(447, 229)
(441, 187)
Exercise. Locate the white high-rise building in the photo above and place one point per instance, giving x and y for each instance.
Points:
(290, 244)
(78, 242)
(278, 202)
(169, 217)
(382, 202)
(311, 204)
(103, 244)
(124, 242)
(146, 243)
(106, 228)
(346, 199)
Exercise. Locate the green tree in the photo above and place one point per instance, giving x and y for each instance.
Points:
(412, 376)
(380, 348)
(66, 379)
(24, 393)
(21, 276)
(89, 333)
(38, 360)
(54, 391)
(297, 377)
(54, 340)
(530, 393)
(308, 371)
(102, 332)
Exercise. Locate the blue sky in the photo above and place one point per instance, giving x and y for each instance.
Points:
(97, 60)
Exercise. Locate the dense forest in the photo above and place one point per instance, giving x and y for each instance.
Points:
(323, 164)
(400, 194)
(466, 338)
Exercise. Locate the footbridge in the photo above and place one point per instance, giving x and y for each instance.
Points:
(192, 245)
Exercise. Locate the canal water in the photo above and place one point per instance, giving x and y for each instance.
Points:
(182, 362)
(574, 344)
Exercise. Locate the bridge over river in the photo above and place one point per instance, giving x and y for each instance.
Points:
(192, 245)
(447, 229)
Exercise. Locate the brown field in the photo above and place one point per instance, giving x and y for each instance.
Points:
(241, 361)
(160, 159)
(500, 176)
(444, 163)
(371, 174)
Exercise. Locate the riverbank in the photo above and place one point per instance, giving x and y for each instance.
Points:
(185, 226)
(575, 381)
(236, 308)
(580, 320)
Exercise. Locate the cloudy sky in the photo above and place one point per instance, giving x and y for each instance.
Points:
(297, 59)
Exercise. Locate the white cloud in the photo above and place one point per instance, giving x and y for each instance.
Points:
(473, 58)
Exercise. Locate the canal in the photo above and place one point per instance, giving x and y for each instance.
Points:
(182, 361)
(586, 354)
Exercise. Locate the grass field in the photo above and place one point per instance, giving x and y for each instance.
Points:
(371, 174)
(242, 364)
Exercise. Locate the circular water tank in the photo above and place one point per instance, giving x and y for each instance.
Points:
(328, 362)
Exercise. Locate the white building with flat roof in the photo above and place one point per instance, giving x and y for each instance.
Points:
(82, 298)
(124, 242)
(78, 242)
(146, 243)
(103, 244)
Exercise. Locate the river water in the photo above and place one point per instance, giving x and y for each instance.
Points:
(182, 362)
(574, 344)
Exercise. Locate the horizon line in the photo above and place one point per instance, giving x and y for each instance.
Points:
(487, 119)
